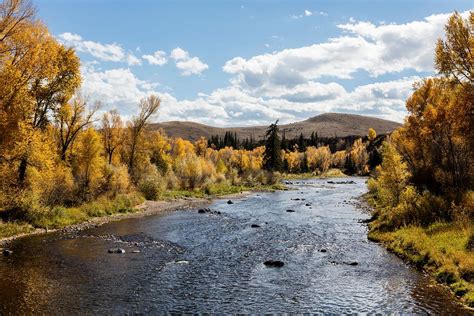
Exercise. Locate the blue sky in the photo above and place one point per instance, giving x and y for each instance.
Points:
(251, 62)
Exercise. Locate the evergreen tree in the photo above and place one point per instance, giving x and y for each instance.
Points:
(272, 159)
(284, 142)
(302, 143)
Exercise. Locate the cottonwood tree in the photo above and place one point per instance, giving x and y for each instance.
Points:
(148, 107)
(455, 55)
(112, 133)
(71, 119)
(37, 75)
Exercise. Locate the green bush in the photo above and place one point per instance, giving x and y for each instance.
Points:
(152, 186)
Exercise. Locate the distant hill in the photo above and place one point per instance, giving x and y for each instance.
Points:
(329, 124)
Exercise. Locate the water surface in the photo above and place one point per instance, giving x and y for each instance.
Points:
(191, 262)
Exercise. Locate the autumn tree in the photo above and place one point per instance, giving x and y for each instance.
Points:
(71, 119)
(372, 134)
(455, 55)
(148, 107)
(112, 133)
(273, 157)
(37, 75)
(88, 163)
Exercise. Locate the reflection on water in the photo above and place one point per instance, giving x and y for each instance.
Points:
(190, 262)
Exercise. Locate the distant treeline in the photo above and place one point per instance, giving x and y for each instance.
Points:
(300, 143)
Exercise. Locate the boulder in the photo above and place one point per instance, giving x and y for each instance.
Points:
(230, 202)
(116, 250)
(323, 250)
(274, 263)
(255, 226)
(290, 211)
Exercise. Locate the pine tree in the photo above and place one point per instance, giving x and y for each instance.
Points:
(272, 159)
(284, 142)
(301, 143)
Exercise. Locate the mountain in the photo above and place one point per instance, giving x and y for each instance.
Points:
(329, 124)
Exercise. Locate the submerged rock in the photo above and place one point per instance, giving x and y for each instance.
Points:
(274, 263)
(116, 250)
(308, 204)
(342, 182)
(208, 211)
(255, 226)
(7, 252)
(230, 202)
(323, 250)
(290, 211)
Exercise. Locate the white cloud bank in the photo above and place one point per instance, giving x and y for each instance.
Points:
(286, 85)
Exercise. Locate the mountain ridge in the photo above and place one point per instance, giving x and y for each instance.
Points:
(326, 125)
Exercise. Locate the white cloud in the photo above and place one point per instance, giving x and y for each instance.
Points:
(133, 61)
(179, 54)
(188, 65)
(120, 88)
(158, 58)
(364, 46)
(308, 13)
(105, 52)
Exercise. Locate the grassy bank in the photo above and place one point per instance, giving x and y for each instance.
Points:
(440, 249)
(60, 217)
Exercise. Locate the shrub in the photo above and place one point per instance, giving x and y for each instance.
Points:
(117, 179)
(152, 186)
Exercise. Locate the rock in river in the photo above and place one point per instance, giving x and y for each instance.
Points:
(7, 252)
(230, 202)
(116, 250)
(255, 226)
(290, 211)
(274, 263)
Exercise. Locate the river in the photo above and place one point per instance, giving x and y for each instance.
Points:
(213, 263)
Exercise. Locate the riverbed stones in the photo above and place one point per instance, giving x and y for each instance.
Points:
(274, 263)
(116, 250)
(208, 211)
(342, 182)
(7, 252)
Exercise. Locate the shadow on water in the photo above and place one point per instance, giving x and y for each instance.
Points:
(189, 262)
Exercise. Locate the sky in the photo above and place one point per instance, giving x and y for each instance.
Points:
(242, 63)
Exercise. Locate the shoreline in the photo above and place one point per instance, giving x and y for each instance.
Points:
(147, 208)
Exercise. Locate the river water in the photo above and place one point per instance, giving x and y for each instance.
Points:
(213, 263)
